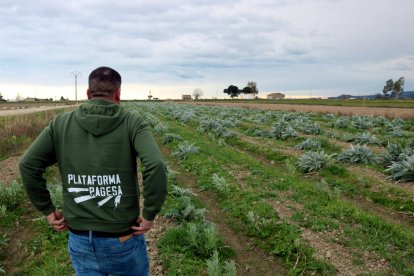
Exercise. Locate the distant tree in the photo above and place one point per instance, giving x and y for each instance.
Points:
(398, 87)
(62, 98)
(19, 97)
(247, 90)
(1, 98)
(197, 93)
(233, 91)
(149, 95)
(253, 86)
(394, 88)
(389, 86)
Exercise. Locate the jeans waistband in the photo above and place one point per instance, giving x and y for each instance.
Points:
(100, 234)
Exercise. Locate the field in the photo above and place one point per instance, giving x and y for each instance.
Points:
(264, 192)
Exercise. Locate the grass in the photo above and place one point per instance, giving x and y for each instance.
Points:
(18, 132)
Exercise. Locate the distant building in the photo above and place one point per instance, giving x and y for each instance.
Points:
(275, 96)
(30, 99)
(186, 97)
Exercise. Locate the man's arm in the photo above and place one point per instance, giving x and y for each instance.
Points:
(154, 172)
(39, 156)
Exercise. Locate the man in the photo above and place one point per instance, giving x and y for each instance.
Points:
(96, 147)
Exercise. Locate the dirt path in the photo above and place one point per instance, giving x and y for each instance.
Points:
(12, 112)
(340, 110)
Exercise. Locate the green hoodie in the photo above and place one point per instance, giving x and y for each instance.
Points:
(96, 147)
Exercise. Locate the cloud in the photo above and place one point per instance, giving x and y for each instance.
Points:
(206, 42)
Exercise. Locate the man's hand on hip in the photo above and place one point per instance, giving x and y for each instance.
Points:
(57, 221)
(144, 226)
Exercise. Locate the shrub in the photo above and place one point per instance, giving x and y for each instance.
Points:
(313, 161)
(403, 170)
(357, 154)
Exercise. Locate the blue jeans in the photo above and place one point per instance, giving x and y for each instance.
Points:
(95, 256)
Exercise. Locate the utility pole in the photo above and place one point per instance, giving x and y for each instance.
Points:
(76, 74)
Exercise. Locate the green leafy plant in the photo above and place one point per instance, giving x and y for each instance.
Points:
(183, 150)
(357, 154)
(362, 122)
(311, 128)
(403, 170)
(341, 122)
(171, 137)
(219, 183)
(313, 161)
(56, 194)
(202, 237)
(309, 144)
(256, 220)
(366, 138)
(160, 128)
(282, 130)
(215, 267)
(11, 195)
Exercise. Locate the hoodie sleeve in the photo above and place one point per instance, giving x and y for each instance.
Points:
(154, 169)
(36, 159)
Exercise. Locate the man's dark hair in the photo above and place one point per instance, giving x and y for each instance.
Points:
(103, 82)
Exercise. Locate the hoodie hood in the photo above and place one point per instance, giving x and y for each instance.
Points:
(99, 117)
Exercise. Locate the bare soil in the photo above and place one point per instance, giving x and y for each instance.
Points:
(340, 110)
(9, 170)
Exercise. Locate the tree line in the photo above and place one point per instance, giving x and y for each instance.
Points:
(234, 91)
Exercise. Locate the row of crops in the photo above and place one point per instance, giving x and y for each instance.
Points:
(282, 177)
(374, 141)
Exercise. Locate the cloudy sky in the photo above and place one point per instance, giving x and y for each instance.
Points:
(300, 47)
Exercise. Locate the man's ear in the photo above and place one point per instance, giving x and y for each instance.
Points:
(88, 93)
(118, 95)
